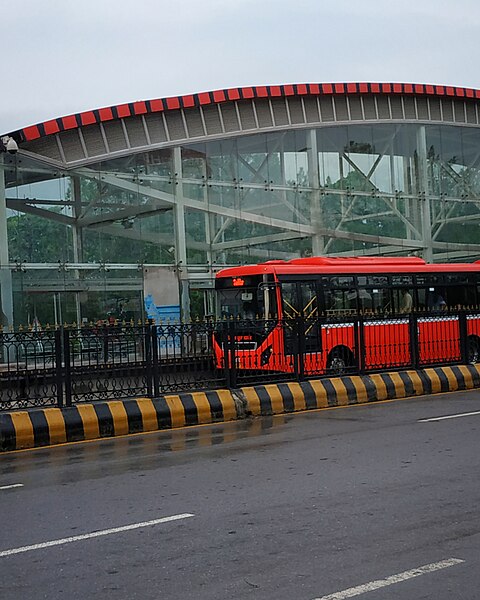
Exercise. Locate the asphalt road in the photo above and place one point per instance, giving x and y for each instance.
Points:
(299, 507)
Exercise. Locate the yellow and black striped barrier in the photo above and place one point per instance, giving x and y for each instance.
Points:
(343, 391)
(43, 427)
(47, 426)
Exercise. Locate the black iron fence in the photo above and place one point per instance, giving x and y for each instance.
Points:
(68, 365)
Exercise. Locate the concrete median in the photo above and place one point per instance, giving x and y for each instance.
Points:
(49, 426)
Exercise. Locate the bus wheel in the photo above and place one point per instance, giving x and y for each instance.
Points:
(340, 360)
(473, 347)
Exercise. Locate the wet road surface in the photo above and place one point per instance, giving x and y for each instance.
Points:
(352, 502)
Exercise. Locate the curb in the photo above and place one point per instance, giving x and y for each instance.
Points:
(49, 426)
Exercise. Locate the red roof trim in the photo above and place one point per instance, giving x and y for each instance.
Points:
(233, 94)
(51, 127)
(106, 114)
(248, 92)
(139, 108)
(122, 111)
(88, 118)
(156, 105)
(69, 122)
(173, 103)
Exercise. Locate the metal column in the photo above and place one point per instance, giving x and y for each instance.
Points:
(423, 194)
(318, 241)
(180, 235)
(6, 292)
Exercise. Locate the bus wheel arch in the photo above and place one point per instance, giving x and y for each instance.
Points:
(473, 349)
(339, 359)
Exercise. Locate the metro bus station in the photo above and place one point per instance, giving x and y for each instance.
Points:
(132, 209)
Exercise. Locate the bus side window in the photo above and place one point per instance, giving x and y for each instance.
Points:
(460, 296)
(309, 300)
(432, 299)
(381, 302)
(403, 300)
(290, 300)
(335, 301)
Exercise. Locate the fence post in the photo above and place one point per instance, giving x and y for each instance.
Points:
(147, 348)
(68, 370)
(360, 338)
(58, 367)
(413, 339)
(228, 342)
(462, 326)
(155, 361)
(300, 346)
(233, 359)
(105, 343)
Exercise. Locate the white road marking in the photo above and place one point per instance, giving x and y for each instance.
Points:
(380, 583)
(469, 414)
(9, 487)
(94, 534)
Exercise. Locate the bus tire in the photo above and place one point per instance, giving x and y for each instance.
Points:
(340, 360)
(473, 349)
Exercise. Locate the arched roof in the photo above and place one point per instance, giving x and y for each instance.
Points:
(145, 107)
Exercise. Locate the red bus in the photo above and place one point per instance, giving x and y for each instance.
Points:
(343, 314)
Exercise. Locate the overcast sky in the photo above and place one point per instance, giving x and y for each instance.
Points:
(60, 57)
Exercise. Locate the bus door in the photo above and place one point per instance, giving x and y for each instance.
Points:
(386, 328)
(291, 313)
(438, 330)
(301, 319)
(311, 334)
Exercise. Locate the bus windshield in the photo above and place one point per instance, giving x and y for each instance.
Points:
(246, 298)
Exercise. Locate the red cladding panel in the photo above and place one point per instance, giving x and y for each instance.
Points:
(460, 92)
(477, 93)
(123, 110)
(275, 90)
(315, 89)
(327, 88)
(31, 133)
(262, 91)
(88, 118)
(139, 108)
(248, 92)
(188, 101)
(363, 88)
(204, 98)
(375, 88)
(439, 90)
(418, 88)
(386, 88)
(397, 88)
(450, 91)
(469, 93)
(352, 88)
(156, 105)
(105, 114)
(288, 90)
(219, 96)
(408, 88)
(339, 88)
(429, 89)
(51, 127)
(70, 122)
(173, 103)
(233, 94)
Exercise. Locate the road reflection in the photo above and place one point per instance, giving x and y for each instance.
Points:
(112, 456)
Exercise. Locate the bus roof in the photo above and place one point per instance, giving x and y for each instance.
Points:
(354, 264)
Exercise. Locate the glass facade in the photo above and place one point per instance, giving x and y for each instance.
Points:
(79, 239)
